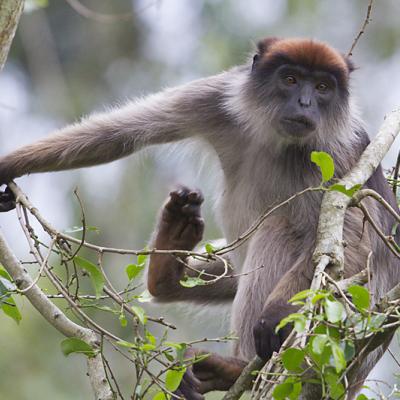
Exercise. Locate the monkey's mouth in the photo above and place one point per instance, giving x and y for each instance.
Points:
(298, 127)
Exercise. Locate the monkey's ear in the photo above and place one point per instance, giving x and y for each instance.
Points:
(262, 48)
(264, 44)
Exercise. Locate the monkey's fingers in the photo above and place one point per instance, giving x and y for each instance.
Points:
(183, 196)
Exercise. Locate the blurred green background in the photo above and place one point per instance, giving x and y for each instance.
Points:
(63, 65)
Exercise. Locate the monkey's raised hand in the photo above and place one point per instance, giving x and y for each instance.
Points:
(181, 226)
(7, 200)
(266, 340)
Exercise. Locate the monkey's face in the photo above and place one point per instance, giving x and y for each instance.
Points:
(302, 98)
(301, 88)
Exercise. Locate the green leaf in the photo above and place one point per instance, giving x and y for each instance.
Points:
(336, 388)
(318, 297)
(4, 290)
(325, 164)
(133, 270)
(360, 296)
(190, 282)
(297, 385)
(334, 311)
(173, 378)
(209, 248)
(292, 359)
(122, 320)
(76, 345)
(95, 274)
(139, 312)
(180, 353)
(124, 343)
(150, 338)
(318, 343)
(342, 189)
(5, 274)
(10, 308)
(168, 356)
(299, 321)
(301, 295)
(75, 229)
(338, 356)
(144, 297)
(161, 396)
(142, 258)
(283, 390)
(362, 397)
(147, 347)
(180, 349)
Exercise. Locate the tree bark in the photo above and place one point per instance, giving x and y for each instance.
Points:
(10, 12)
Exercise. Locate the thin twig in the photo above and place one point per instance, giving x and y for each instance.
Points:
(86, 12)
(42, 267)
(362, 30)
(396, 175)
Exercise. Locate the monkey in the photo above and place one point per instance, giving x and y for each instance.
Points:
(262, 119)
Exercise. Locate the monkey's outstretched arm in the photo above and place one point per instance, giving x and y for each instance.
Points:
(174, 114)
(180, 227)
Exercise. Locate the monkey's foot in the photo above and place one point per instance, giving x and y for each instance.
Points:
(7, 200)
(181, 225)
(213, 372)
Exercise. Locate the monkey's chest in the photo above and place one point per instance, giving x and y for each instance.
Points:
(251, 194)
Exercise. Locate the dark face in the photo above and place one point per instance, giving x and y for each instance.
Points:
(304, 97)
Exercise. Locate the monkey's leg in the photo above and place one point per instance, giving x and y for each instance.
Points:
(181, 227)
(213, 373)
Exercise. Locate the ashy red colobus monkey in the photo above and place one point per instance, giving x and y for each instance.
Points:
(263, 119)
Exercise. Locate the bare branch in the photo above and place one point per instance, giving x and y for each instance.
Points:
(362, 30)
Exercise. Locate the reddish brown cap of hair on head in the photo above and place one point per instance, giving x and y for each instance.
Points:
(312, 54)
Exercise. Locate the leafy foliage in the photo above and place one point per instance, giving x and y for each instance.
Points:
(335, 334)
(7, 303)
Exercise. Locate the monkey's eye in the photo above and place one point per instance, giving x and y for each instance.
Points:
(290, 80)
(322, 87)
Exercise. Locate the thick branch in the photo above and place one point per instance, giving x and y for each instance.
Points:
(334, 204)
(57, 319)
(10, 12)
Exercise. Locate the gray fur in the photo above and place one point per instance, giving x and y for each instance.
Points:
(260, 169)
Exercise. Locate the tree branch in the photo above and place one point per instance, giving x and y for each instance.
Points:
(57, 319)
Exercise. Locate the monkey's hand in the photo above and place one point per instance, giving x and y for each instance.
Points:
(181, 226)
(7, 200)
(266, 339)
